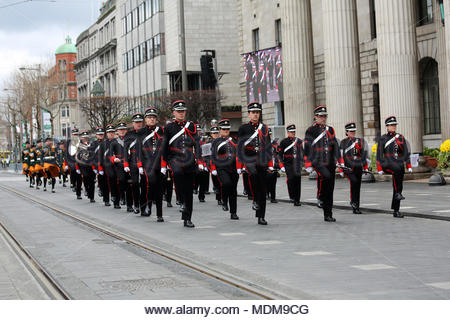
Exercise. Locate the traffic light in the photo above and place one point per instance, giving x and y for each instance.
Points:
(208, 74)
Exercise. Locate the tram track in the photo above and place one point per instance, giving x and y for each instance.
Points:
(257, 290)
(45, 280)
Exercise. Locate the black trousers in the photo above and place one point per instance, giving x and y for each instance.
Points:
(245, 182)
(88, 180)
(154, 191)
(113, 186)
(326, 177)
(257, 185)
(216, 185)
(168, 186)
(294, 182)
(202, 178)
(76, 181)
(103, 185)
(184, 184)
(355, 177)
(228, 181)
(134, 186)
(271, 178)
(397, 171)
(124, 181)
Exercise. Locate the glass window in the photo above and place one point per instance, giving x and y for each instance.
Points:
(148, 9)
(129, 22)
(137, 56)
(150, 54)
(143, 52)
(425, 12)
(255, 39)
(157, 40)
(136, 17)
(142, 12)
(125, 61)
(155, 6)
(278, 32)
(430, 98)
(124, 26)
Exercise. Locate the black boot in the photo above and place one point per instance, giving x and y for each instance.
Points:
(160, 219)
(116, 206)
(136, 210)
(92, 200)
(262, 221)
(225, 207)
(356, 211)
(329, 219)
(255, 206)
(297, 204)
(169, 205)
(188, 224)
(274, 201)
(107, 204)
(399, 196)
(219, 202)
(129, 209)
(234, 216)
(397, 214)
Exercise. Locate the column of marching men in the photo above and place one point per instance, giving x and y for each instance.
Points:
(139, 168)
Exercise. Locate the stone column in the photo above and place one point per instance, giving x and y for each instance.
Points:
(444, 69)
(342, 65)
(298, 63)
(398, 68)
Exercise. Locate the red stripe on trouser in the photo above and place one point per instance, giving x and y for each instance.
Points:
(393, 179)
(221, 187)
(319, 186)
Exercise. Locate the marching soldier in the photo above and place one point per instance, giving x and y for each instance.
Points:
(84, 161)
(255, 152)
(62, 163)
(181, 151)
(94, 149)
(272, 177)
(202, 176)
(117, 158)
(226, 167)
(71, 149)
(322, 154)
(151, 165)
(392, 154)
(291, 157)
(214, 132)
(32, 157)
(38, 165)
(51, 169)
(131, 161)
(26, 160)
(354, 152)
(106, 169)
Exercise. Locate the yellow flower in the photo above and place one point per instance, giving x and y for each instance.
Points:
(445, 146)
(374, 147)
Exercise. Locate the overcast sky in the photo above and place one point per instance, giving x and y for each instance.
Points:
(31, 31)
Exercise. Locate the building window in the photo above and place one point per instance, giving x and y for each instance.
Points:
(255, 39)
(150, 54)
(155, 6)
(278, 37)
(137, 56)
(373, 21)
(125, 62)
(425, 12)
(148, 9)
(157, 45)
(65, 111)
(143, 52)
(429, 83)
(142, 12)
(129, 18)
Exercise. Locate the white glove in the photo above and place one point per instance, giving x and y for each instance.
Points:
(163, 170)
(309, 169)
(101, 173)
(126, 169)
(200, 167)
(410, 170)
(270, 168)
(66, 168)
(116, 160)
(78, 171)
(380, 172)
(206, 169)
(214, 172)
(283, 169)
(95, 171)
(141, 171)
(239, 171)
(341, 174)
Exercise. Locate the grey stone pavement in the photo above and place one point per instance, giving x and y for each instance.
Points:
(369, 256)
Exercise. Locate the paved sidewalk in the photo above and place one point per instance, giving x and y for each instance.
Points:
(369, 256)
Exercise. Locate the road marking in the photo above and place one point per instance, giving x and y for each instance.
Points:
(371, 267)
(231, 234)
(423, 194)
(441, 211)
(341, 201)
(440, 285)
(206, 227)
(371, 204)
(175, 221)
(311, 199)
(268, 242)
(312, 253)
(408, 207)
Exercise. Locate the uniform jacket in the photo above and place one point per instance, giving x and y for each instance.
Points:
(354, 152)
(224, 155)
(149, 149)
(290, 153)
(392, 149)
(255, 147)
(321, 147)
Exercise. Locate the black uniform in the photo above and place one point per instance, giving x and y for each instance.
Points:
(181, 150)
(84, 162)
(224, 161)
(101, 178)
(106, 166)
(202, 176)
(272, 177)
(354, 152)
(118, 152)
(322, 153)
(130, 156)
(392, 154)
(291, 155)
(149, 153)
(255, 153)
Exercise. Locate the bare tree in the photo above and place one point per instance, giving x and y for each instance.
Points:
(101, 111)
